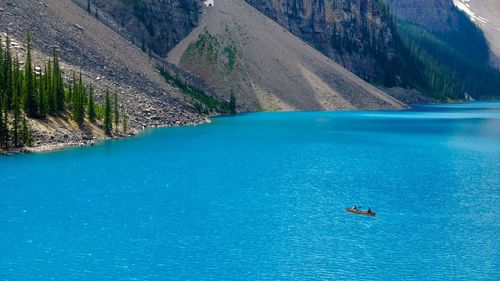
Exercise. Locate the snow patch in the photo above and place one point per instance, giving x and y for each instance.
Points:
(209, 3)
(464, 6)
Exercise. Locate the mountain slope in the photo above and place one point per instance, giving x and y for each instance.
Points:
(239, 50)
(446, 55)
(486, 14)
(106, 60)
(432, 47)
(356, 34)
(442, 19)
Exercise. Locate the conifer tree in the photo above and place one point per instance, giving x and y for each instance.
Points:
(108, 123)
(91, 106)
(232, 103)
(30, 103)
(88, 6)
(1, 64)
(5, 122)
(16, 107)
(143, 44)
(42, 99)
(26, 133)
(51, 99)
(116, 112)
(2, 133)
(58, 83)
(7, 74)
(78, 102)
(16, 103)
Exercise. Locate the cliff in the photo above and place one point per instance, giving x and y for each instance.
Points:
(356, 34)
(439, 15)
(155, 25)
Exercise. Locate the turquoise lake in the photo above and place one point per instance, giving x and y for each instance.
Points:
(262, 196)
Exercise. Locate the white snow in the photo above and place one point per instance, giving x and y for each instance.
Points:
(209, 3)
(464, 6)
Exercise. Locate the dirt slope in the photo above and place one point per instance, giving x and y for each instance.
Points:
(237, 49)
(105, 58)
(486, 13)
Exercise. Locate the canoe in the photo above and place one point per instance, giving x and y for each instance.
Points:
(350, 210)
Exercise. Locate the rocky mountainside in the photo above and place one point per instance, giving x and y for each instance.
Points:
(155, 25)
(432, 46)
(106, 60)
(433, 14)
(239, 51)
(356, 34)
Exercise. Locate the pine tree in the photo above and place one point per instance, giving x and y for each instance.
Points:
(5, 122)
(96, 13)
(51, 99)
(116, 112)
(16, 122)
(42, 99)
(26, 133)
(6, 125)
(232, 103)
(1, 64)
(7, 74)
(30, 102)
(91, 106)
(2, 133)
(1, 93)
(108, 123)
(16, 104)
(58, 83)
(143, 44)
(78, 102)
(88, 7)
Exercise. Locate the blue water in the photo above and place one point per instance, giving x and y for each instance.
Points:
(261, 197)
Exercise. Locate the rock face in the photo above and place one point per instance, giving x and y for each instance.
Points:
(434, 14)
(160, 24)
(355, 33)
(238, 50)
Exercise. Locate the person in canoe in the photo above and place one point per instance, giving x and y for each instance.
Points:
(369, 211)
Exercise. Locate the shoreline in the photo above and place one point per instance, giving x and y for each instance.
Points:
(53, 147)
(58, 146)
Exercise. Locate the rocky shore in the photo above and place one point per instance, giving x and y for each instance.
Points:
(54, 142)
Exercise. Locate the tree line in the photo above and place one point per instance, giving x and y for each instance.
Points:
(433, 66)
(446, 65)
(202, 102)
(38, 93)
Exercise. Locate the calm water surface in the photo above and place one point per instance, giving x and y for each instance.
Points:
(261, 197)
